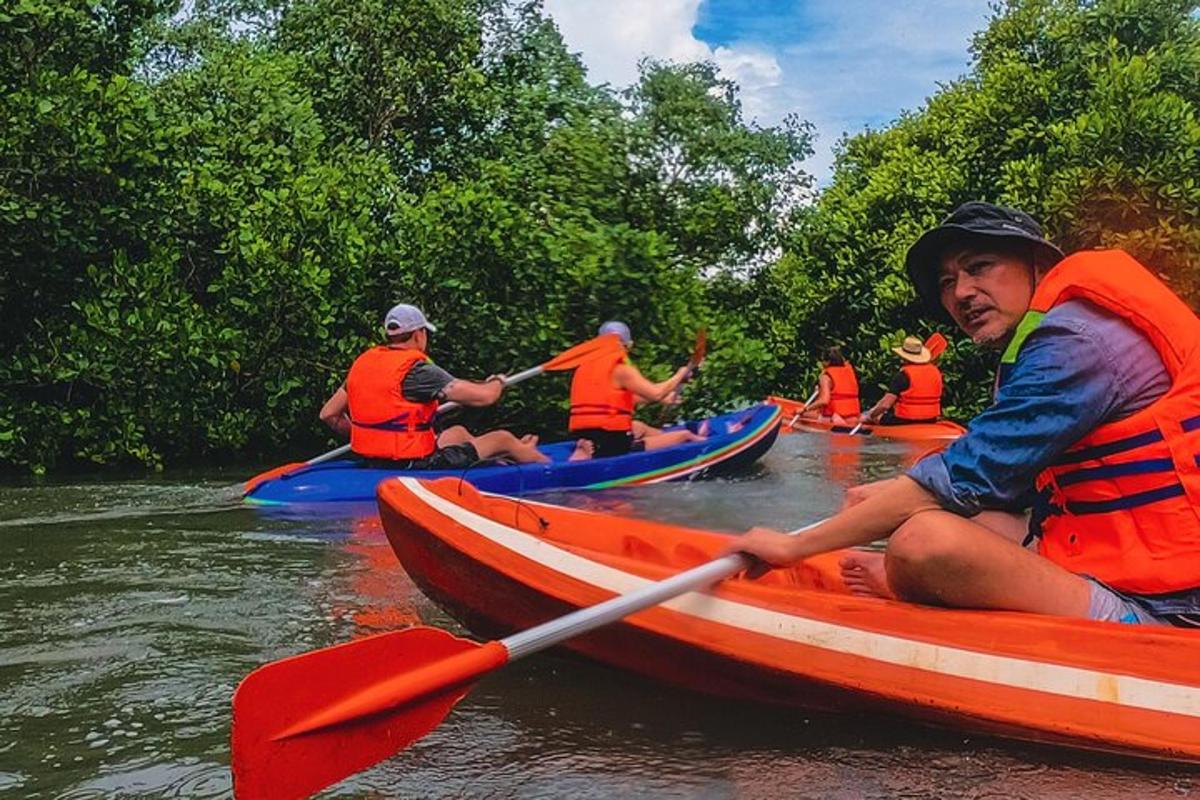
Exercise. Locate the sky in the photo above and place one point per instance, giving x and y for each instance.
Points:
(841, 64)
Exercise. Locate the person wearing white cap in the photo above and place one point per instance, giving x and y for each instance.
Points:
(390, 398)
(603, 395)
(915, 393)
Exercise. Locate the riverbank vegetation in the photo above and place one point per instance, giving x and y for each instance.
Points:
(203, 215)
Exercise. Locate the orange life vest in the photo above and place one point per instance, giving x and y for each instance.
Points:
(923, 397)
(1121, 504)
(596, 402)
(843, 394)
(383, 424)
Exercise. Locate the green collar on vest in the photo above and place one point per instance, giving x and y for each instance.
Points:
(1025, 327)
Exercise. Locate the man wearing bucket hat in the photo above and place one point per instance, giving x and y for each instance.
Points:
(1076, 493)
(915, 393)
(390, 398)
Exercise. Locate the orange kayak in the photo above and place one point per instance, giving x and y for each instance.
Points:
(795, 637)
(942, 429)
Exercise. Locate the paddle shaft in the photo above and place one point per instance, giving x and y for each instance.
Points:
(803, 408)
(508, 381)
(586, 619)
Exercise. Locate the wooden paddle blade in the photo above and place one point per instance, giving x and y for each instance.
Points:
(252, 484)
(936, 344)
(583, 352)
(700, 350)
(303, 723)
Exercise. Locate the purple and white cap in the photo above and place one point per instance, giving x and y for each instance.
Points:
(620, 329)
(404, 318)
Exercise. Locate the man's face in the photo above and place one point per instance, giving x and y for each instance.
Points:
(987, 289)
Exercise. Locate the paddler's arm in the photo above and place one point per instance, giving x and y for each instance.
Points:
(874, 518)
(627, 377)
(336, 412)
(879, 409)
(824, 392)
(470, 393)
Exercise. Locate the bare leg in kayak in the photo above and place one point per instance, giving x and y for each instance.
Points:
(941, 558)
(865, 574)
(496, 444)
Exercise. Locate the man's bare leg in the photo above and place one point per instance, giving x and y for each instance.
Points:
(864, 572)
(497, 444)
(941, 558)
(668, 438)
(455, 434)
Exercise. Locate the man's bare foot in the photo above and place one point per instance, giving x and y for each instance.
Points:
(584, 449)
(864, 574)
(530, 439)
(736, 425)
(702, 431)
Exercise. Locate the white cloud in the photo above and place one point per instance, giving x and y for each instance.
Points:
(612, 35)
(842, 65)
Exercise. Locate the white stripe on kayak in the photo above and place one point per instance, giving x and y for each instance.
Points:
(1058, 679)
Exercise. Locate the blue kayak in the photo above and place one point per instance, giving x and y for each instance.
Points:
(353, 480)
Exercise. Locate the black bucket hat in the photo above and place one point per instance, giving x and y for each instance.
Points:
(969, 220)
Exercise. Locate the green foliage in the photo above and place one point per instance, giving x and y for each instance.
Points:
(1082, 113)
(204, 220)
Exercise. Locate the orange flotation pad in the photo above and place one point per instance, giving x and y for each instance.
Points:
(941, 430)
(796, 637)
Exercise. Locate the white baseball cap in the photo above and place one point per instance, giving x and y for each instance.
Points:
(404, 318)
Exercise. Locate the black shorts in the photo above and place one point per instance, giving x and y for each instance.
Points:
(455, 456)
(890, 418)
(610, 443)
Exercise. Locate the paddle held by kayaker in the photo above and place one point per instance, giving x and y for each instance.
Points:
(1076, 492)
(837, 391)
(390, 398)
(604, 393)
(915, 394)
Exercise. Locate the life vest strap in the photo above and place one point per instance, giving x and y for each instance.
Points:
(599, 408)
(1146, 466)
(1111, 448)
(1084, 508)
(398, 423)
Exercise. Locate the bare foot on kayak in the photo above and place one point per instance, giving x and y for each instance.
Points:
(702, 431)
(864, 574)
(584, 449)
(530, 439)
(736, 425)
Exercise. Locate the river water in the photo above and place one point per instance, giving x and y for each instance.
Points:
(131, 609)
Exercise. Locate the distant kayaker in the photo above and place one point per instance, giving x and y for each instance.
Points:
(603, 395)
(837, 391)
(390, 398)
(1095, 429)
(915, 393)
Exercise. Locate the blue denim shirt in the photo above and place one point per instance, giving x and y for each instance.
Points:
(1080, 368)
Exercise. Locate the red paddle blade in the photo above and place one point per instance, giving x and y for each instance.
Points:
(700, 350)
(252, 484)
(936, 344)
(306, 722)
(584, 352)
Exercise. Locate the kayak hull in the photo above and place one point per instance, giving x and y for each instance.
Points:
(348, 480)
(943, 430)
(795, 638)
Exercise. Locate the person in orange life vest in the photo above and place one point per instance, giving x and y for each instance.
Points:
(915, 393)
(1076, 492)
(389, 400)
(603, 395)
(837, 391)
